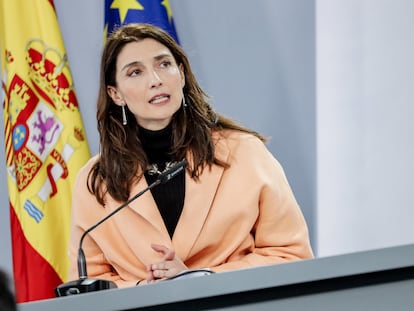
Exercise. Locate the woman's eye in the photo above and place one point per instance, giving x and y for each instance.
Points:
(165, 64)
(135, 72)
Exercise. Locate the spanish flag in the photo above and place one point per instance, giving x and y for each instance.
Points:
(45, 144)
(155, 12)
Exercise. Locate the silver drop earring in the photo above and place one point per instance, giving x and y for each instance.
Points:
(124, 117)
(183, 101)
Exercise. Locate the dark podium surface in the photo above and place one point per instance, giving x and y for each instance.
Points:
(380, 279)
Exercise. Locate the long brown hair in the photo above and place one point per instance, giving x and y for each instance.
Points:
(122, 157)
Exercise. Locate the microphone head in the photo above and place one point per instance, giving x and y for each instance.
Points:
(172, 172)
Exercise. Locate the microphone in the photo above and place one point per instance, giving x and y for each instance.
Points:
(85, 284)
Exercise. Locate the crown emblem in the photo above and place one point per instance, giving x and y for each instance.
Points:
(50, 74)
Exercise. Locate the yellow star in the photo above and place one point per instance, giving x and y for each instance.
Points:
(167, 6)
(124, 5)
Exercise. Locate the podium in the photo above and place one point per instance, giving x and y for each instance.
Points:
(380, 279)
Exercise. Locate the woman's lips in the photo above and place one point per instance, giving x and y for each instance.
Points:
(159, 99)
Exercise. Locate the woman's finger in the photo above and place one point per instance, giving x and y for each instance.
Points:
(169, 254)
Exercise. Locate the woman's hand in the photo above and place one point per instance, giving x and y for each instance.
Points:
(169, 266)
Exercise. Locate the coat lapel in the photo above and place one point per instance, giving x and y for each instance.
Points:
(141, 224)
(147, 208)
(198, 200)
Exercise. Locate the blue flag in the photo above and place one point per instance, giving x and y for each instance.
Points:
(155, 12)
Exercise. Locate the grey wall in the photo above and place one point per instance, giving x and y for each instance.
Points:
(256, 59)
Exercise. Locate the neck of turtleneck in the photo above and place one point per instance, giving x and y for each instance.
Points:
(157, 144)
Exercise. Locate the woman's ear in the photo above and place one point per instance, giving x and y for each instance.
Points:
(114, 94)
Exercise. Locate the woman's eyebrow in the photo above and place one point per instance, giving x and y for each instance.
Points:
(158, 57)
(134, 63)
(163, 55)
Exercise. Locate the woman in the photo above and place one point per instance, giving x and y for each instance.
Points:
(232, 208)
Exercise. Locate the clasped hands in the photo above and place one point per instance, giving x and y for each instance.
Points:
(169, 266)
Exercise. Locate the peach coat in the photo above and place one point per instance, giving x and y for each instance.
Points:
(242, 216)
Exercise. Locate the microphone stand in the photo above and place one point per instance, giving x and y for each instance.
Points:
(85, 284)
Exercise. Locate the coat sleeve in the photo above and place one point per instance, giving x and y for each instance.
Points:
(86, 211)
(280, 233)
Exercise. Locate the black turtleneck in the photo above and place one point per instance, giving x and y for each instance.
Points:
(169, 196)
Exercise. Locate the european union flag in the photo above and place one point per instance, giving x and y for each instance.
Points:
(155, 12)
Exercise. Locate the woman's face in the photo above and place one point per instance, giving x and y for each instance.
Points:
(149, 82)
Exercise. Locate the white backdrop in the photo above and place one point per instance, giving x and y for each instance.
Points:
(365, 110)
(329, 80)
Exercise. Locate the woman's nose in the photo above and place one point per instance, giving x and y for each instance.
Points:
(155, 79)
